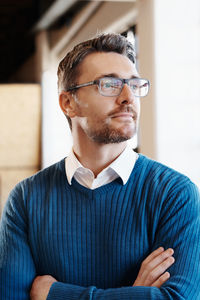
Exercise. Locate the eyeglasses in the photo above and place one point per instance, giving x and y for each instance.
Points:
(112, 86)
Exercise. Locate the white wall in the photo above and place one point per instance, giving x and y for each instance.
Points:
(56, 135)
(177, 80)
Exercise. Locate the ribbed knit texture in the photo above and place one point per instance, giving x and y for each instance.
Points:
(93, 241)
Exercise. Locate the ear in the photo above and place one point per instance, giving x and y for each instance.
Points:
(66, 102)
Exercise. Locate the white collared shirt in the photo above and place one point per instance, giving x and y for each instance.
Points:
(120, 167)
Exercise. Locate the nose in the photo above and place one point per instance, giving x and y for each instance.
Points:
(126, 96)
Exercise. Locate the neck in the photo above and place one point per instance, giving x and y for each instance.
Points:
(96, 156)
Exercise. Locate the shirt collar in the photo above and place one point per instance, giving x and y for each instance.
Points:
(72, 164)
(122, 165)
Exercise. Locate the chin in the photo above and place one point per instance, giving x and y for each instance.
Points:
(128, 131)
(112, 134)
(113, 137)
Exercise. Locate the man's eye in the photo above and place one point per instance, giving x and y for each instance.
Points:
(108, 84)
(134, 87)
(111, 84)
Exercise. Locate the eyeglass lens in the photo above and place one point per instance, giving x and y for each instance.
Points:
(110, 86)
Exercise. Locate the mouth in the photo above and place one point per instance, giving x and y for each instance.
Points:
(124, 115)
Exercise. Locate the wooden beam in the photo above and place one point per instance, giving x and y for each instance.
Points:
(57, 9)
(123, 16)
(77, 23)
(146, 55)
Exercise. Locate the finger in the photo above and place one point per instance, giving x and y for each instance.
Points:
(149, 264)
(161, 280)
(157, 260)
(156, 273)
(154, 254)
(162, 267)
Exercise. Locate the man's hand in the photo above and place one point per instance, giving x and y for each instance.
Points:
(152, 270)
(41, 286)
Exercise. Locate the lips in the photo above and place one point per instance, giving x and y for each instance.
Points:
(127, 112)
(122, 115)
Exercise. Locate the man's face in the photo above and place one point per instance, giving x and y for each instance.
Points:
(106, 119)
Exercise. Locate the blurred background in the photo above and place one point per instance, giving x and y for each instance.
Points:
(34, 37)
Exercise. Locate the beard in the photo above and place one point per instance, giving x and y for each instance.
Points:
(105, 133)
(107, 136)
(102, 131)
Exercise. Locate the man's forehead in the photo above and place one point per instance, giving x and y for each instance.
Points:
(99, 64)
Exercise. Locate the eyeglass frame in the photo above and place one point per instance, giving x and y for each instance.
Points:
(97, 82)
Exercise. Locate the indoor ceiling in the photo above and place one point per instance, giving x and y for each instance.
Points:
(18, 19)
(16, 40)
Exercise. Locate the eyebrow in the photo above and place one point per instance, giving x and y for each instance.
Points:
(113, 75)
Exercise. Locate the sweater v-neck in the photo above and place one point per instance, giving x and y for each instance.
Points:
(117, 183)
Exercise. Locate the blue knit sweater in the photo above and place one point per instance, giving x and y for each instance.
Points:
(93, 241)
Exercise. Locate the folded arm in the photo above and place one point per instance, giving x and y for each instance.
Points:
(152, 273)
(179, 227)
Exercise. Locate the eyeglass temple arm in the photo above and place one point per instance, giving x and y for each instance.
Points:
(82, 85)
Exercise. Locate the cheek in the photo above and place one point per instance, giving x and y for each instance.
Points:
(98, 110)
(92, 107)
(80, 105)
(97, 118)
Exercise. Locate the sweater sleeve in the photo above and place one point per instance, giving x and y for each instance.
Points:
(17, 269)
(179, 228)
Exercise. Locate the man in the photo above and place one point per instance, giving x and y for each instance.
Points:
(105, 223)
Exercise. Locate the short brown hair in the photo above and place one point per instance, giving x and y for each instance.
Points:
(68, 70)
